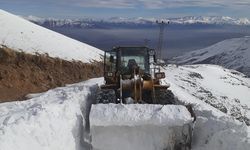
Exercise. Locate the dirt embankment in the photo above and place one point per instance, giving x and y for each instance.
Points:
(22, 73)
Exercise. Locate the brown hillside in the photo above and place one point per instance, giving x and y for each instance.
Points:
(22, 73)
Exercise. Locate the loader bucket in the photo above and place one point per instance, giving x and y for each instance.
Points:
(140, 127)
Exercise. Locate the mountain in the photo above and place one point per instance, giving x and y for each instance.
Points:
(22, 35)
(232, 53)
(134, 22)
(59, 118)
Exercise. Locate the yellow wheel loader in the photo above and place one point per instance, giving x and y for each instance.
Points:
(133, 110)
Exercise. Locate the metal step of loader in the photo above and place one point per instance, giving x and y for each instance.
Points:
(140, 127)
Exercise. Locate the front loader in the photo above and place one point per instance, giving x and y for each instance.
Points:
(132, 103)
(131, 76)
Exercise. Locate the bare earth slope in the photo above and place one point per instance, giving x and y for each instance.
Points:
(22, 73)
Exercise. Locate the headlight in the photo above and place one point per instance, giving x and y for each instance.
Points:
(110, 74)
(159, 75)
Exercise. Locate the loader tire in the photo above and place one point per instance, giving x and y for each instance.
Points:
(164, 97)
(106, 96)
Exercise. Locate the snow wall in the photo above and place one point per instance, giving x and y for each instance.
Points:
(54, 120)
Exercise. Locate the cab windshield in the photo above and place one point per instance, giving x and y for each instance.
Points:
(134, 56)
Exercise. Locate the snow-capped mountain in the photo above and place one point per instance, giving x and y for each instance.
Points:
(219, 20)
(231, 53)
(140, 21)
(58, 119)
(22, 35)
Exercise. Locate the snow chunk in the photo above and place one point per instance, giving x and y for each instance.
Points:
(139, 126)
(139, 114)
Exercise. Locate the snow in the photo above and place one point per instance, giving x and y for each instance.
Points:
(139, 114)
(145, 137)
(52, 120)
(227, 90)
(22, 35)
(58, 119)
(232, 53)
(137, 126)
(214, 129)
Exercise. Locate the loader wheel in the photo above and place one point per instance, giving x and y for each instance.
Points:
(164, 97)
(106, 96)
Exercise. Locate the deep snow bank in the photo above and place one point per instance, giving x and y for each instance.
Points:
(20, 34)
(214, 129)
(227, 90)
(54, 120)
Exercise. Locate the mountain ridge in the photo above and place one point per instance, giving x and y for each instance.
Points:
(147, 22)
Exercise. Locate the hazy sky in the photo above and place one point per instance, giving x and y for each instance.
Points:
(127, 8)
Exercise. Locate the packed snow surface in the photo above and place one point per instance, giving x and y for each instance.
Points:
(231, 53)
(22, 35)
(139, 114)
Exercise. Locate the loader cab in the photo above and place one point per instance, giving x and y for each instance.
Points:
(131, 58)
(122, 60)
